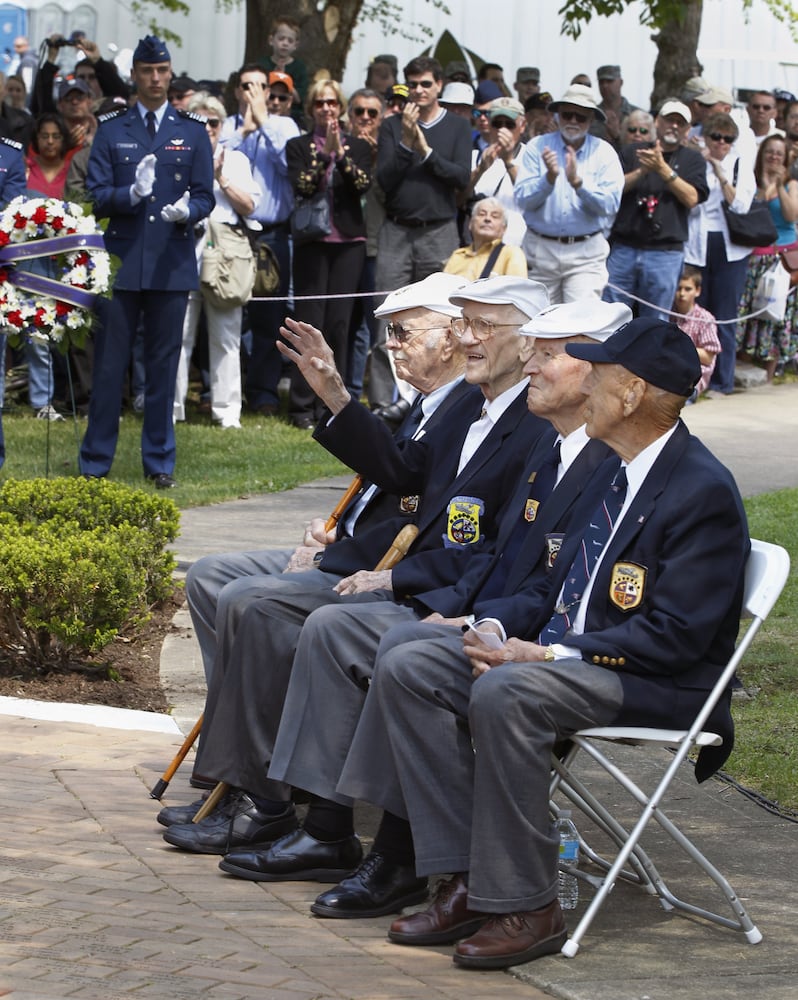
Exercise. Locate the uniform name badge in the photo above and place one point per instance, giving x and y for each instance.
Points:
(627, 584)
(531, 509)
(409, 504)
(463, 521)
(553, 546)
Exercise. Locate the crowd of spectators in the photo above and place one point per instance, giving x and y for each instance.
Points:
(437, 168)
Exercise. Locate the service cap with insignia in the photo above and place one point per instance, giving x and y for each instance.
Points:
(151, 50)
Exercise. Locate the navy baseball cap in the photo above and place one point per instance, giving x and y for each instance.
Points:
(657, 352)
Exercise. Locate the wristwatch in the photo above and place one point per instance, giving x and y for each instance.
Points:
(548, 654)
(672, 177)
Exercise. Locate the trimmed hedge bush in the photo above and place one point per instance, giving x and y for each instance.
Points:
(79, 561)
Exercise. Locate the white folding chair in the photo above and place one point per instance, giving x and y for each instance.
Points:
(765, 575)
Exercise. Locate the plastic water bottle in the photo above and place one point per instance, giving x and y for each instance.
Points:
(569, 855)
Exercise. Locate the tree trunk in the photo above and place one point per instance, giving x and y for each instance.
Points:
(677, 59)
(326, 36)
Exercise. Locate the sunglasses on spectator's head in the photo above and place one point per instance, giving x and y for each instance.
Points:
(371, 112)
(720, 137)
(573, 116)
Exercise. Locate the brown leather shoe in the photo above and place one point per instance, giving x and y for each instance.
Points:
(512, 938)
(447, 919)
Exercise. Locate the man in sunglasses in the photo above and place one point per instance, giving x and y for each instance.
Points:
(569, 186)
(423, 161)
(281, 94)
(663, 180)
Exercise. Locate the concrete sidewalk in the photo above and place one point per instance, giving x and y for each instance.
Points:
(94, 904)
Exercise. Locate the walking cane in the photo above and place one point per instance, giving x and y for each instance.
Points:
(162, 784)
(396, 552)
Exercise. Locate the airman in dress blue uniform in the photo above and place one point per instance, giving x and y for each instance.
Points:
(12, 184)
(151, 174)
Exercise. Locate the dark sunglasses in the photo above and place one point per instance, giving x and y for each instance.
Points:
(720, 137)
(502, 123)
(213, 122)
(282, 98)
(326, 102)
(415, 84)
(249, 85)
(478, 113)
(637, 128)
(763, 107)
(371, 112)
(573, 116)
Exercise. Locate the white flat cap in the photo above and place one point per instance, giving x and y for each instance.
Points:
(586, 317)
(528, 296)
(432, 293)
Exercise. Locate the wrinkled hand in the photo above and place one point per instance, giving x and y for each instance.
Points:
(178, 210)
(570, 166)
(302, 558)
(364, 581)
(145, 176)
(513, 650)
(310, 352)
(437, 619)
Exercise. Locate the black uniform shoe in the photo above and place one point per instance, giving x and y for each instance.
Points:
(378, 886)
(297, 857)
(236, 823)
(162, 481)
(179, 815)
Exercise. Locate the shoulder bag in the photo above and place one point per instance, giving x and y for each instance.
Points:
(310, 220)
(754, 228)
(227, 272)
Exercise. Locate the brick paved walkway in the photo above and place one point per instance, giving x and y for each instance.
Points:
(94, 905)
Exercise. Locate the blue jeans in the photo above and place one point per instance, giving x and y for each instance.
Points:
(721, 287)
(652, 275)
(40, 374)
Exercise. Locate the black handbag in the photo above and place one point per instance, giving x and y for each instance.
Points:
(754, 228)
(311, 218)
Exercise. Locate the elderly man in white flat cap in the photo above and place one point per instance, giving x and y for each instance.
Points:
(569, 187)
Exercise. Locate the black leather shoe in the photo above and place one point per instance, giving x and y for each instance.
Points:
(394, 413)
(236, 823)
(179, 815)
(378, 886)
(162, 481)
(297, 857)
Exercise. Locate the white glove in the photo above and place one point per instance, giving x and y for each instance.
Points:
(177, 211)
(145, 176)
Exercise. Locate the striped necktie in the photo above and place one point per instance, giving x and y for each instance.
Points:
(595, 538)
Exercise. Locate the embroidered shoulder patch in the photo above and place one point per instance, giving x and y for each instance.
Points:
(463, 521)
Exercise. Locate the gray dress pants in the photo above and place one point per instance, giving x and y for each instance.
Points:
(468, 761)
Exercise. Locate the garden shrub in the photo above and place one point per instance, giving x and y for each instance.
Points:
(79, 561)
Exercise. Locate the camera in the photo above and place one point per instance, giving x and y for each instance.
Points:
(74, 38)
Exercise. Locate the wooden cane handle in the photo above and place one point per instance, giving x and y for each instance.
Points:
(343, 503)
(399, 547)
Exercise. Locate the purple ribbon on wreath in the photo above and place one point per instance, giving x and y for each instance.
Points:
(12, 253)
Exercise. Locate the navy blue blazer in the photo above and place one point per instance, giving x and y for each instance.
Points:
(12, 170)
(155, 255)
(589, 473)
(665, 607)
(431, 472)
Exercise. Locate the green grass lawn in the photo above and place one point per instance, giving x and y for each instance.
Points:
(269, 455)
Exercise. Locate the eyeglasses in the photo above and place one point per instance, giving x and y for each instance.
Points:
(424, 84)
(764, 107)
(481, 329)
(250, 84)
(719, 137)
(502, 123)
(395, 331)
(282, 98)
(326, 102)
(573, 116)
(637, 128)
(213, 122)
(371, 112)
(479, 112)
